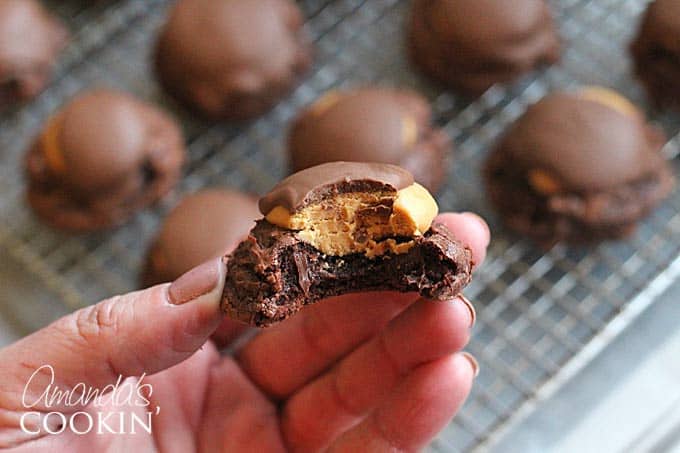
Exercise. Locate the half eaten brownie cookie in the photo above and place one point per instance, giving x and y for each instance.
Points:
(339, 228)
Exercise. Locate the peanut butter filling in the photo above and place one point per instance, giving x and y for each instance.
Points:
(409, 131)
(543, 182)
(372, 223)
(51, 149)
(325, 102)
(610, 98)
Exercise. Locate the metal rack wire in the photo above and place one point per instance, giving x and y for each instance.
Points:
(542, 315)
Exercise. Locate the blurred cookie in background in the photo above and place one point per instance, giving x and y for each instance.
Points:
(470, 45)
(656, 52)
(232, 59)
(579, 166)
(204, 225)
(30, 42)
(101, 158)
(371, 124)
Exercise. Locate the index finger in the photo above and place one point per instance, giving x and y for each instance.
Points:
(470, 229)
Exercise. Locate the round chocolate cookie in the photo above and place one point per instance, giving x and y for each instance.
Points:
(656, 52)
(232, 59)
(472, 44)
(99, 159)
(30, 40)
(371, 125)
(183, 242)
(580, 167)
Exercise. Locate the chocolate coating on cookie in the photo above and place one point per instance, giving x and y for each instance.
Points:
(101, 139)
(232, 59)
(656, 52)
(585, 144)
(99, 159)
(473, 44)
(582, 167)
(30, 40)
(371, 125)
(183, 242)
(312, 184)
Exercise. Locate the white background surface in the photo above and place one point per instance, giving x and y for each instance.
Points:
(627, 400)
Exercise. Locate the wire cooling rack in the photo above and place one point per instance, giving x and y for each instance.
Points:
(542, 315)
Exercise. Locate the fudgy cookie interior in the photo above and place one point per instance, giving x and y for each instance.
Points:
(273, 274)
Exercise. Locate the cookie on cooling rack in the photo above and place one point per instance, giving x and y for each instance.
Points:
(371, 125)
(578, 166)
(30, 40)
(470, 45)
(101, 158)
(656, 52)
(232, 59)
(204, 225)
(339, 228)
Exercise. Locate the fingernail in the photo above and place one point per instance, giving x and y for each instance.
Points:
(479, 220)
(195, 283)
(473, 362)
(471, 308)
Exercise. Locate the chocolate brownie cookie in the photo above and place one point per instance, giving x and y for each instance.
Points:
(30, 40)
(204, 225)
(656, 52)
(232, 59)
(339, 228)
(578, 166)
(101, 158)
(371, 125)
(470, 45)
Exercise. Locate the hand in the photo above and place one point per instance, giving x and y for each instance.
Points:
(367, 372)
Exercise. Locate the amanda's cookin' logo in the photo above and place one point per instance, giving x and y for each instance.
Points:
(120, 408)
